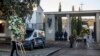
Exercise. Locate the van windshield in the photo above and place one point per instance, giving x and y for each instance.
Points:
(28, 33)
(35, 34)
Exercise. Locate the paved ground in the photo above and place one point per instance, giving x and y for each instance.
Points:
(36, 52)
(77, 52)
(80, 50)
(52, 46)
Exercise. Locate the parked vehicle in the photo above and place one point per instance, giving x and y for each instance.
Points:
(35, 38)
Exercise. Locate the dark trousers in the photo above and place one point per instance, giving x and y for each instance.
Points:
(65, 38)
(14, 48)
(71, 44)
(85, 41)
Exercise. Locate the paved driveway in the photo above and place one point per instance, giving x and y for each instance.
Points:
(77, 52)
(36, 52)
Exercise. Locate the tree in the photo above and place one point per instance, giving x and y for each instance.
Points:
(20, 7)
(74, 25)
(79, 25)
(15, 12)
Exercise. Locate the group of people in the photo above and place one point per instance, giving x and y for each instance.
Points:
(61, 35)
(86, 40)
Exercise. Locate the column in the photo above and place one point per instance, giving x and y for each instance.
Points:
(59, 23)
(68, 25)
(50, 30)
(98, 27)
(56, 23)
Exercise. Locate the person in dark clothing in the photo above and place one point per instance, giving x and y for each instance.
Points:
(56, 35)
(14, 46)
(71, 39)
(93, 36)
(65, 35)
(61, 35)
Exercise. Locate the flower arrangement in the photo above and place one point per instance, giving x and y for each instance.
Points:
(84, 31)
(17, 27)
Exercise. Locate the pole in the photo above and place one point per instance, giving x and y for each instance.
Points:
(81, 6)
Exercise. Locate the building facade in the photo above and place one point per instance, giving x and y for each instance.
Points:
(50, 31)
(37, 19)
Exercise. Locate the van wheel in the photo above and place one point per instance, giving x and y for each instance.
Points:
(31, 47)
(43, 46)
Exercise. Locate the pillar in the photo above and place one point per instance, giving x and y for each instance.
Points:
(68, 25)
(50, 30)
(56, 23)
(59, 23)
(98, 27)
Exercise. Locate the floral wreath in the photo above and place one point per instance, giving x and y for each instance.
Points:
(17, 27)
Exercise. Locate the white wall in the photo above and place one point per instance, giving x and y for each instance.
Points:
(98, 27)
(33, 19)
(37, 18)
(50, 31)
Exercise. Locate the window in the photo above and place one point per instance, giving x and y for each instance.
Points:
(2, 26)
(32, 25)
(35, 34)
(39, 13)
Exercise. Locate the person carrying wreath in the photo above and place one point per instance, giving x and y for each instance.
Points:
(17, 28)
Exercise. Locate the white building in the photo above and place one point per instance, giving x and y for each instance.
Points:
(37, 19)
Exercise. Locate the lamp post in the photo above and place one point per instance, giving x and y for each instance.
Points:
(81, 6)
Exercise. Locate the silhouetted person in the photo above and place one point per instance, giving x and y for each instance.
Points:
(93, 36)
(14, 46)
(61, 35)
(71, 41)
(56, 35)
(85, 39)
(65, 35)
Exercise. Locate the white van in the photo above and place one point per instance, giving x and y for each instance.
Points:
(34, 38)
